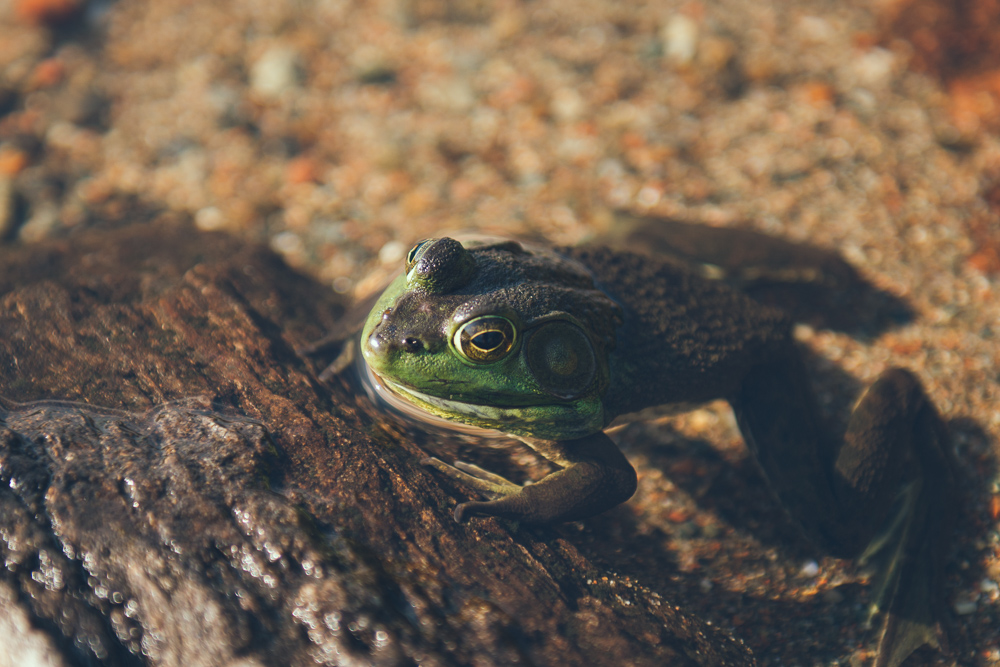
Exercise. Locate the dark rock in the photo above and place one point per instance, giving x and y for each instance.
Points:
(230, 509)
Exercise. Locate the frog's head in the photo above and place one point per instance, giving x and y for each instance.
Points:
(499, 336)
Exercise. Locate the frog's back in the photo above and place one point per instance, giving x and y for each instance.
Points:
(684, 338)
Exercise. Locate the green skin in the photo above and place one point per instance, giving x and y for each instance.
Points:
(570, 339)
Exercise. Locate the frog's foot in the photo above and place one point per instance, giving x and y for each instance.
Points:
(902, 585)
(485, 482)
(892, 487)
(908, 552)
(348, 348)
(907, 562)
(595, 477)
(342, 362)
(489, 484)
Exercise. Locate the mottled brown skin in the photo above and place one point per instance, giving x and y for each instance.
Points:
(884, 491)
(682, 338)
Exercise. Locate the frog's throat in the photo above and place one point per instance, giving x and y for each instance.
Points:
(558, 421)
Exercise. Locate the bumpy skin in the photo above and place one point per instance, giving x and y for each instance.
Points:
(550, 346)
(682, 339)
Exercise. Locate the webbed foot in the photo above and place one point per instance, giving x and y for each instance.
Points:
(908, 553)
(891, 492)
(904, 583)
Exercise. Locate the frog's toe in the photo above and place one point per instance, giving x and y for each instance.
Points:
(341, 363)
(508, 507)
(474, 477)
(466, 511)
(486, 475)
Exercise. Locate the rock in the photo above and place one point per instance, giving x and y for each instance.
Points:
(371, 64)
(223, 506)
(680, 39)
(275, 73)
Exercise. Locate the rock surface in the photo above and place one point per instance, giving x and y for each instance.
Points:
(221, 507)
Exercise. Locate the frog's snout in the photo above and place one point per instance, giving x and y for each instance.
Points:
(386, 340)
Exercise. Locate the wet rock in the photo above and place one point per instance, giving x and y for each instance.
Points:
(224, 507)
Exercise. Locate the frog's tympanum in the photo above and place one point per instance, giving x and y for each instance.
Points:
(551, 345)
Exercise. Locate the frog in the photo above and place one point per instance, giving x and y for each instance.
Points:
(551, 344)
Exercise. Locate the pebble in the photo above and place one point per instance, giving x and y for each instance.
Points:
(965, 605)
(567, 104)
(874, 68)
(680, 39)
(392, 252)
(40, 225)
(12, 161)
(446, 94)
(816, 29)
(275, 73)
(209, 219)
(288, 244)
(370, 64)
(809, 569)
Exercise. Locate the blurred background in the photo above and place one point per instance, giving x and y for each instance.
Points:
(341, 132)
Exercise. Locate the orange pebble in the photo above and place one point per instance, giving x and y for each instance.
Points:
(986, 260)
(47, 12)
(48, 73)
(678, 516)
(816, 93)
(302, 170)
(12, 161)
(995, 507)
(906, 347)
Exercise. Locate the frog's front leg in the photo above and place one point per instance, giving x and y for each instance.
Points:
(595, 477)
(886, 493)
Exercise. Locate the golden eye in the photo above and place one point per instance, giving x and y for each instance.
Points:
(485, 339)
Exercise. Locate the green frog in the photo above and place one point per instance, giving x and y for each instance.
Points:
(551, 345)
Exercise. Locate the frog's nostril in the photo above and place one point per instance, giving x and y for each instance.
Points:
(411, 344)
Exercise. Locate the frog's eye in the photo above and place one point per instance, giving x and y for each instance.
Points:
(485, 339)
(416, 252)
(561, 359)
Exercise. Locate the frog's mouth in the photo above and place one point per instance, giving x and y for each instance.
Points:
(410, 404)
(438, 404)
(553, 421)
